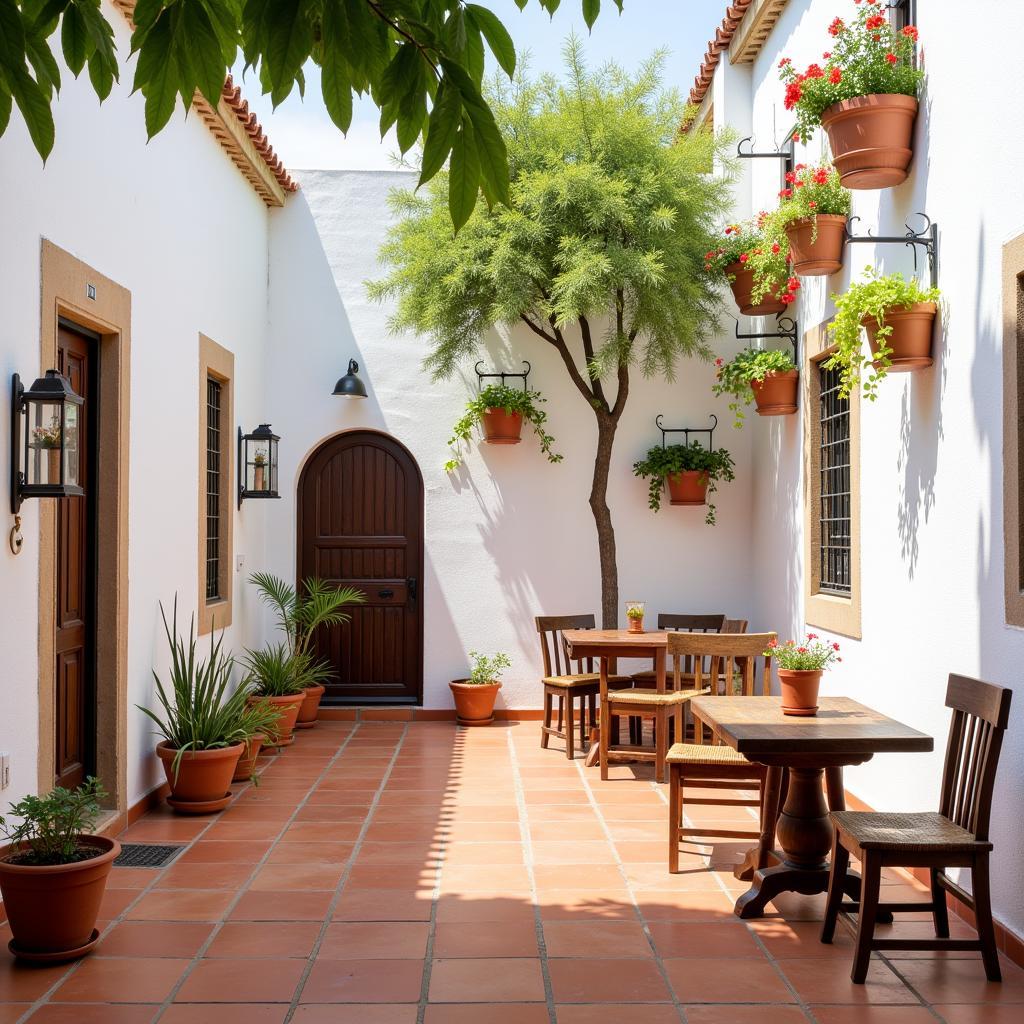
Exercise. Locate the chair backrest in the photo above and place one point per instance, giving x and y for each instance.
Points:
(981, 713)
(734, 626)
(733, 658)
(692, 623)
(552, 643)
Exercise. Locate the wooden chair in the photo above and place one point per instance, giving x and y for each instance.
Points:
(561, 682)
(955, 836)
(733, 673)
(687, 624)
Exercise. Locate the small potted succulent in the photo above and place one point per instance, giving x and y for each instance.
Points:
(47, 439)
(767, 377)
(635, 616)
(690, 471)
(772, 288)
(501, 410)
(475, 696)
(259, 471)
(800, 668)
(898, 316)
(864, 94)
(53, 873)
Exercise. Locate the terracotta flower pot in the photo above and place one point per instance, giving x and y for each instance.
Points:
(474, 702)
(870, 138)
(309, 707)
(288, 707)
(247, 762)
(743, 289)
(911, 338)
(799, 691)
(202, 782)
(635, 625)
(502, 427)
(52, 909)
(775, 395)
(816, 256)
(690, 487)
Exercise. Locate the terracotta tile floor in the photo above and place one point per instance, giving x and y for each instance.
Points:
(419, 874)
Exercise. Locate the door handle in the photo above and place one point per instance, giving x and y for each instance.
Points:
(385, 593)
(411, 585)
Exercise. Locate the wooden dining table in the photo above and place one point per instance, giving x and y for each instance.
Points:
(809, 751)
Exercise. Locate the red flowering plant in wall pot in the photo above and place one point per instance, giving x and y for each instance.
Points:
(800, 668)
(766, 291)
(863, 93)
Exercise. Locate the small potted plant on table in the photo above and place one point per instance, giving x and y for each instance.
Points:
(690, 471)
(53, 873)
(800, 669)
(635, 616)
(501, 410)
(475, 696)
(768, 378)
(864, 95)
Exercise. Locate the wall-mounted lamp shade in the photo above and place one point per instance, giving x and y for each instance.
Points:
(257, 464)
(45, 435)
(350, 386)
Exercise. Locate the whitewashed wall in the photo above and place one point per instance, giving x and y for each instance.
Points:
(175, 223)
(510, 536)
(931, 470)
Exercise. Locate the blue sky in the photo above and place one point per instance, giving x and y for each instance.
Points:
(304, 136)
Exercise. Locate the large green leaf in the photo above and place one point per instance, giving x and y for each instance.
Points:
(496, 34)
(463, 175)
(335, 79)
(100, 75)
(441, 128)
(43, 63)
(5, 105)
(199, 43)
(34, 105)
(289, 44)
(12, 35)
(74, 40)
(591, 9)
(156, 73)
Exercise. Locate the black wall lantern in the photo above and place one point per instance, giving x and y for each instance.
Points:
(350, 386)
(46, 429)
(257, 464)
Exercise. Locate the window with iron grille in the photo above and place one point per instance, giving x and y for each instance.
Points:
(834, 518)
(213, 488)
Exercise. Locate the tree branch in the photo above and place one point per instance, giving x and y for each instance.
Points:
(588, 352)
(538, 330)
(405, 35)
(623, 392)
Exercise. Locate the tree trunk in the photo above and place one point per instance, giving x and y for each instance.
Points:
(606, 427)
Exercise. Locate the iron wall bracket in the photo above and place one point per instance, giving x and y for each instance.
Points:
(927, 238)
(503, 375)
(687, 431)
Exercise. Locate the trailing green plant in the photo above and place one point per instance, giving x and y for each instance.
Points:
(201, 710)
(751, 364)
(873, 297)
(276, 672)
(663, 462)
(512, 400)
(485, 670)
(50, 828)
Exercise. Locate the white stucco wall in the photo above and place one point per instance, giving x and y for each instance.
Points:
(176, 224)
(931, 446)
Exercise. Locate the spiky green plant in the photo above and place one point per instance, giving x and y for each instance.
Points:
(276, 672)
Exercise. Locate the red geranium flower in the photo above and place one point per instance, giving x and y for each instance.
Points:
(891, 58)
(794, 93)
(910, 31)
(787, 298)
(793, 284)
(821, 176)
(719, 361)
(790, 176)
(814, 71)
(784, 62)
(776, 248)
(836, 27)
(875, 21)
(836, 76)
(744, 257)
(812, 204)
(786, 193)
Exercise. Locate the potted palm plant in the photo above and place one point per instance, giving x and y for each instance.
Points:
(203, 722)
(279, 680)
(800, 669)
(898, 316)
(864, 95)
(501, 410)
(475, 696)
(53, 873)
(767, 377)
(689, 471)
(300, 613)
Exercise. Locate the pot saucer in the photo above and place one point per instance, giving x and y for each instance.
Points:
(800, 712)
(199, 806)
(469, 722)
(55, 958)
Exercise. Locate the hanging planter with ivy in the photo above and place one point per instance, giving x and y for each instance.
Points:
(767, 378)
(689, 471)
(500, 410)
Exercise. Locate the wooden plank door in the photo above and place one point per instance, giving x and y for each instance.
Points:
(360, 521)
(75, 694)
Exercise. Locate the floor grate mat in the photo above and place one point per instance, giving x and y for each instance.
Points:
(146, 855)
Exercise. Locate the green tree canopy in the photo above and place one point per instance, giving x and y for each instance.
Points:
(600, 251)
(408, 55)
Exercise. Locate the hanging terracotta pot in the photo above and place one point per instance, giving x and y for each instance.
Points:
(690, 487)
(52, 908)
(911, 338)
(310, 707)
(501, 427)
(247, 762)
(282, 734)
(821, 255)
(201, 780)
(870, 138)
(800, 691)
(474, 702)
(743, 289)
(775, 395)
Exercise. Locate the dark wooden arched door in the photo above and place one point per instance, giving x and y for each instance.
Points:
(360, 521)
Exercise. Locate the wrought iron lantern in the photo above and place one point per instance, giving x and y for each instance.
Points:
(257, 464)
(46, 431)
(350, 386)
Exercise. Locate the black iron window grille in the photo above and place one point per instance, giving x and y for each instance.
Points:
(213, 488)
(834, 573)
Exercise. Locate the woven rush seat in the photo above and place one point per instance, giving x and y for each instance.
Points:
(584, 679)
(653, 697)
(704, 753)
(921, 831)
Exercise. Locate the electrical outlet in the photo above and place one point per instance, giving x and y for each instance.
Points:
(5, 770)
(239, 563)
